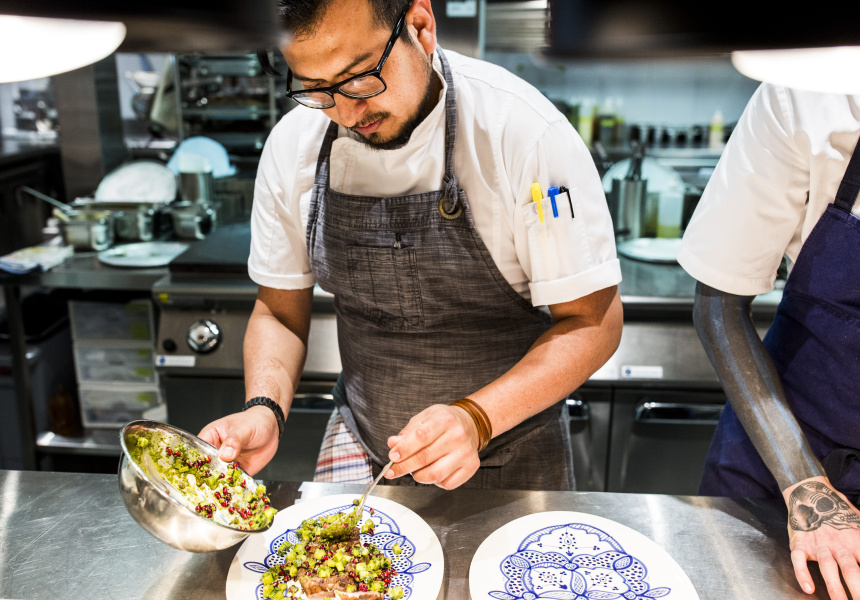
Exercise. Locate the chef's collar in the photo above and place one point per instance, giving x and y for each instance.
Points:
(425, 130)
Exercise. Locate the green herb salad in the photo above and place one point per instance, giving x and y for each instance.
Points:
(224, 494)
(330, 561)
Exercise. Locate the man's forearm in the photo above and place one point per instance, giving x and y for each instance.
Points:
(725, 326)
(274, 356)
(561, 360)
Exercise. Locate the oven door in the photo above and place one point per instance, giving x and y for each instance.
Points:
(660, 440)
(590, 411)
(193, 402)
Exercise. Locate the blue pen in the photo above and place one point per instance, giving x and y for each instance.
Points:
(552, 192)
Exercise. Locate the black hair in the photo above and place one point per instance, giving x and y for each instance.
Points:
(302, 17)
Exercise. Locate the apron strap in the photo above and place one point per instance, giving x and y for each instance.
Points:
(449, 206)
(849, 188)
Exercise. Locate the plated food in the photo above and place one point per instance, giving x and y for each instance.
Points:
(329, 560)
(223, 494)
(321, 548)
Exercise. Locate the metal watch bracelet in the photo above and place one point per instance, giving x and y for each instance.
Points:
(273, 406)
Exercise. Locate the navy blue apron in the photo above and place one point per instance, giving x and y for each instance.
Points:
(815, 345)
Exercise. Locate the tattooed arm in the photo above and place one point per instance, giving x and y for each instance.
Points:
(822, 526)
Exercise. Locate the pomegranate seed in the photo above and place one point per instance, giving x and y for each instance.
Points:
(221, 476)
(224, 503)
(217, 495)
(208, 460)
(230, 510)
(362, 588)
(306, 565)
(197, 508)
(243, 483)
(353, 574)
(366, 544)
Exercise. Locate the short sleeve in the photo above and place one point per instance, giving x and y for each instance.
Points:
(585, 241)
(753, 204)
(279, 256)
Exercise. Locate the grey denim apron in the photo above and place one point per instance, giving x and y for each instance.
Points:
(425, 317)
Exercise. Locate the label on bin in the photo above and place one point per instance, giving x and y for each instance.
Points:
(163, 360)
(641, 372)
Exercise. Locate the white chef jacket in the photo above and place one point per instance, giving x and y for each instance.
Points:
(508, 134)
(788, 145)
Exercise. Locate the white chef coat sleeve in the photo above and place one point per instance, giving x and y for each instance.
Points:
(558, 157)
(754, 202)
(279, 257)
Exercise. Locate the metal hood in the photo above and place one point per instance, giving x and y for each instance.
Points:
(170, 25)
(648, 28)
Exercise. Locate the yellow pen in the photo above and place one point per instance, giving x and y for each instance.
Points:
(537, 196)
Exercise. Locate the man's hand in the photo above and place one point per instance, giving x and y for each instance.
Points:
(439, 445)
(825, 527)
(249, 438)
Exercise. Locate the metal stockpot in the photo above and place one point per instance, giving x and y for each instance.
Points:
(192, 221)
(88, 229)
(136, 224)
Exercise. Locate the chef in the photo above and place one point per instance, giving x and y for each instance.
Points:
(402, 185)
(787, 184)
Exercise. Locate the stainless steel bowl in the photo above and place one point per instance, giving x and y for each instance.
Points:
(162, 514)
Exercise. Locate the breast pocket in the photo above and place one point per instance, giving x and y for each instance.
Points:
(386, 286)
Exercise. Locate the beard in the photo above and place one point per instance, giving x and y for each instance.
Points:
(401, 137)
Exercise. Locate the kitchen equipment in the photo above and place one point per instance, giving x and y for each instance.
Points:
(88, 229)
(137, 181)
(627, 198)
(655, 250)
(136, 224)
(213, 151)
(149, 502)
(196, 186)
(192, 221)
(145, 254)
(420, 566)
(632, 221)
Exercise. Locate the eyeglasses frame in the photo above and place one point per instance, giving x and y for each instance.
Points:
(375, 72)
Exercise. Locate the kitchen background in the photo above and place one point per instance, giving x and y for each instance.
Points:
(107, 344)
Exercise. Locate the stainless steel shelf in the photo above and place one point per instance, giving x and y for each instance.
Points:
(90, 444)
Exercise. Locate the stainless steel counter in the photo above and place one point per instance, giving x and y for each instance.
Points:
(69, 535)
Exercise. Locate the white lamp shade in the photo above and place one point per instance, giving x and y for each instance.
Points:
(830, 70)
(34, 47)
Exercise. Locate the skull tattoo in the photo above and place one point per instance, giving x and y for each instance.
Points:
(813, 504)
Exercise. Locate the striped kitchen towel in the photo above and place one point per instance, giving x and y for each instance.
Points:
(341, 458)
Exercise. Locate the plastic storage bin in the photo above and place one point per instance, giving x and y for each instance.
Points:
(106, 364)
(111, 321)
(114, 406)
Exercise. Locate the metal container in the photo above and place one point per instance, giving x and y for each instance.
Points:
(89, 229)
(136, 224)
(192, 221)
(196, 187)
(629, 203)
(162, 514)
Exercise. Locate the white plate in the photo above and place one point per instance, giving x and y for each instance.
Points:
(144, 254)
(571, 555)
(138, 181)
(419, 566)
(656, 250)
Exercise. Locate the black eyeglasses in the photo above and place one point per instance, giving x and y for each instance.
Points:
(361, 86)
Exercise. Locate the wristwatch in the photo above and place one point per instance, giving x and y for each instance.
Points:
(268, 402)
